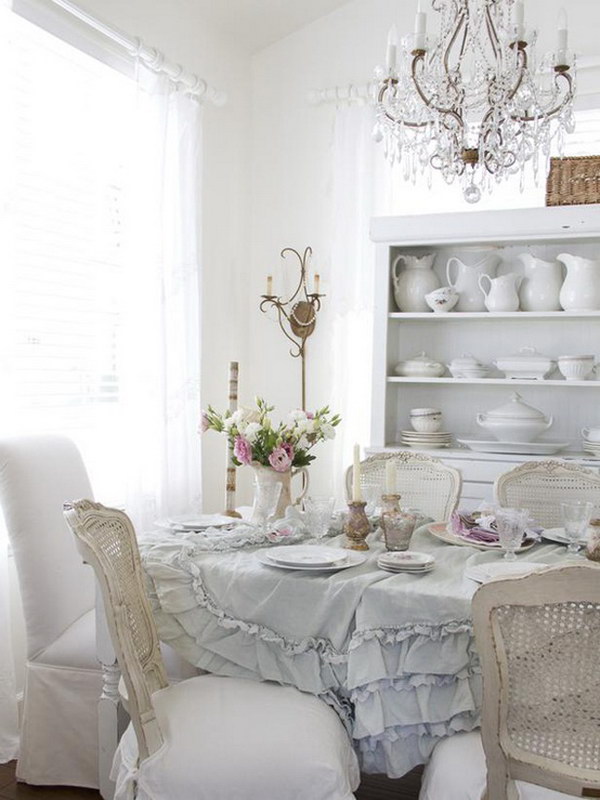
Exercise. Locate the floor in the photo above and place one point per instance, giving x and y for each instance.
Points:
(373, 787)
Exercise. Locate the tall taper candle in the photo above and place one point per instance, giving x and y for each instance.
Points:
(230, 481)
(356, 491)
(390, 477)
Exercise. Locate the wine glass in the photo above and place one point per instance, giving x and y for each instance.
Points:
(318, 512)
(576, 517)
(511, 524)
(371, 489)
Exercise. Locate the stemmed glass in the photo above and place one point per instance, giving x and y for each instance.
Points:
(511, 524)
(576, 517)
(318, 512)
(372, 493)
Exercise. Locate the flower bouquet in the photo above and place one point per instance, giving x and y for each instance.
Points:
(275, 451)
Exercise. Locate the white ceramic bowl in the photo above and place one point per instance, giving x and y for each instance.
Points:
(430, 424)
(591, 434)
(442, 300)
(576, 368)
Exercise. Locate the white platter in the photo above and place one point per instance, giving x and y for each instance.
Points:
(440, 531)
(527, 448)
(481, 573)
(558, 535)
(306, 556)
(352, 559)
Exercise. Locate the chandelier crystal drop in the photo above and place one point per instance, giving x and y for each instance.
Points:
(474, 102)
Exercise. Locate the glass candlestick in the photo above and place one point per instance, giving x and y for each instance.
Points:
(357, 526)
(398, 525)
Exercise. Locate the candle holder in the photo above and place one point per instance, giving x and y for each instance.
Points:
(357, 526)
(297, 316)
(397, 525)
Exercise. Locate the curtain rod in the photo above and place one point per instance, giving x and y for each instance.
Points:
(152, 58)
(366, 93)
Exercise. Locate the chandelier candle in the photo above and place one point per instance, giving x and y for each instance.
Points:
(474, 102)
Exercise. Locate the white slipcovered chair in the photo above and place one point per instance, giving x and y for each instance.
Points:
(207, 738)
(63, 681)
(541, 486)
(538, 639)
(423, 482)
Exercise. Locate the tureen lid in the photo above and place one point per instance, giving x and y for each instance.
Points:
(420, 358)
(516, 409)
(528, 354)
(466, 360)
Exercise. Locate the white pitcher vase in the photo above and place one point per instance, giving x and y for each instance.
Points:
(413, 282)
(265, 477)
(540, 288)
(466, 280)
(502, 293)
(581, 289)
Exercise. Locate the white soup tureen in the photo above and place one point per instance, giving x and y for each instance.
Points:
(515, 421)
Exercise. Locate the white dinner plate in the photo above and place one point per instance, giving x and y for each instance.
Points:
(526, 448)
(405, 571)
(306, 556)
(197, 522)
(558, 535)
(481, 573)
(440, 531)
(406, 559)
(352, 559)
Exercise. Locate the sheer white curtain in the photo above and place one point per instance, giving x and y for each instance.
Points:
(161, 341)
(358, 193)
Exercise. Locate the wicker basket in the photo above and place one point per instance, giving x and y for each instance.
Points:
(573, 181)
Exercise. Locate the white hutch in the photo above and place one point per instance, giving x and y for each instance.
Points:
(545, 232)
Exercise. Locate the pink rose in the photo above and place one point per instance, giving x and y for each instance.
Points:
(280, 459)
(242, 450)
(204, 423)
(310, 415)
(289, 449)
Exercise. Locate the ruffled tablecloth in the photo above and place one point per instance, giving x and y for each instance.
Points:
(393, 654)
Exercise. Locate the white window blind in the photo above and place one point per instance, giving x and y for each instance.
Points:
(63, 263)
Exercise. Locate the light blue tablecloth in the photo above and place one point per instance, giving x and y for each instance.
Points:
(394, 654)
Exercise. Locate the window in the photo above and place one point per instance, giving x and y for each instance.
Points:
(62, 277)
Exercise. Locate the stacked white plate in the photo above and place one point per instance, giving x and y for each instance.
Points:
(309, 558)
(426, 441)
(406, 561)
(591, 447)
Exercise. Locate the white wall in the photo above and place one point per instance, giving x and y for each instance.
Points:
(291, 164)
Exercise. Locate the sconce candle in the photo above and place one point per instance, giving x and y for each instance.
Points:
(269, 286)
(317, 283)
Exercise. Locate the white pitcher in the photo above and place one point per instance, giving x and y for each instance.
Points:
(581, 289)
(466, 281)
(502, 294)
(413, 282)
(541, 284)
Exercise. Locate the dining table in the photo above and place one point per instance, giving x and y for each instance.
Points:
(393, 654)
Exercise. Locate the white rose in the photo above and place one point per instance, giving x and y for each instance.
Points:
(252, 431)
(297, 414)
(242, 426)
(237, 417)
(302, 443)
(327, 430)
(303, 425)
(228, 423)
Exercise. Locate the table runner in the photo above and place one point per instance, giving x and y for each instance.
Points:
(393, 654)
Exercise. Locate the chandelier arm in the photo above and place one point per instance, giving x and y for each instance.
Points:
(459, 24)
(553, 112)
(522, 71)
(427, 100)
(492, 32)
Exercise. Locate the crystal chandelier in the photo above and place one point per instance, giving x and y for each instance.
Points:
(473, 102)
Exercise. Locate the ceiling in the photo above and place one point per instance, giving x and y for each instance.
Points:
(254, 24)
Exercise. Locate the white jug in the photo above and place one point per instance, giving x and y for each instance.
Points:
(502, 294)
(413, 282)
(541, 284)
(466, 282)
(581, 289)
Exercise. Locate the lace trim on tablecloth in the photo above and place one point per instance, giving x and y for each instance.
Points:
(396, 635)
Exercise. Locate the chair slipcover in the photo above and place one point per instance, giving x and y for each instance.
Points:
(63, 681)
(457, 771)
(234, 739)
